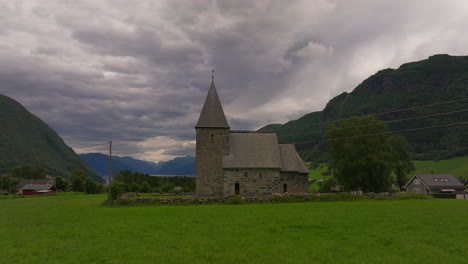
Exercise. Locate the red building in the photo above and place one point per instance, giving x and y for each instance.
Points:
(31, 187)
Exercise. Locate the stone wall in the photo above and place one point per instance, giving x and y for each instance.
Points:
(295, 182)
(252, 182)
(212, 145)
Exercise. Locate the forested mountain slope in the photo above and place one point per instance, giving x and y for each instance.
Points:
(24, 138)
(441, 81)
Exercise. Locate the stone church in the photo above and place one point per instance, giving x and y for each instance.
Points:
(230, 162)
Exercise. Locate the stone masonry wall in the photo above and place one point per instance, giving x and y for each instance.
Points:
(252, 182)
(296, 182)
(212, 145)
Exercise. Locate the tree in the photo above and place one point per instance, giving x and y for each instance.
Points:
(61, 184)
(134, 187)
(89, 185)
(77, 184)
(360, 154)
(80, 173)
(403, 164)
(28, 171)
(78, 179)
(117, 189)
(145, 187)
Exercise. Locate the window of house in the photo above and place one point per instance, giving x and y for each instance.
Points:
(417, 182)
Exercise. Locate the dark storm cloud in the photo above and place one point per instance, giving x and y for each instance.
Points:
(138, 72)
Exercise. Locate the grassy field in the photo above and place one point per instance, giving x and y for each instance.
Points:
(458, 167)
(77, 229)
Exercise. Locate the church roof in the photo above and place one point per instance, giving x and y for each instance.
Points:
(261, 150)
(212, 114)
(290, 160)
(252, 150)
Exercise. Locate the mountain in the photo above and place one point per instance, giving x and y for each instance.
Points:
(24, 138)
(100, 164)
(436, 88)
(178, 166)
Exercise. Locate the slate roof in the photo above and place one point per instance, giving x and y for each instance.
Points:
(248, 149)
(37, 187)
(40, 182)
(212, 114)
(252, 150)
(439, 180)
(290, 160)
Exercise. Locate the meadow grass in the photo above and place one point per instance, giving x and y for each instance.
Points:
(458, 167)
(78, 229)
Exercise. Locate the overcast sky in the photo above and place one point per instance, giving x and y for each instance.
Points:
(137, 72)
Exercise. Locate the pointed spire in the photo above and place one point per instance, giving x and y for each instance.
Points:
(212, 114)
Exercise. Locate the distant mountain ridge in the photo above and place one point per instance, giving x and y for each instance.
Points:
(100, 163)
(24, 138)
(440, 78)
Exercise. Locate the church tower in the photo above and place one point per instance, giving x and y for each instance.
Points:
(212, 144)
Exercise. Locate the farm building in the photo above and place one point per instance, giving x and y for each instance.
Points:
(434, 183)
(30, 187)
(232, 162)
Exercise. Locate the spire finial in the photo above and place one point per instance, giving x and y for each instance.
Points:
(212, 75)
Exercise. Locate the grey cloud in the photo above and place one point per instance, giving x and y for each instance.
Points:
(138, 73)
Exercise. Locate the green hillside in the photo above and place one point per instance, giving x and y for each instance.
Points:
(24, 138)
(458, 167)
(436, 80)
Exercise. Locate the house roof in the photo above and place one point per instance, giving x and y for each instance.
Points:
(212, 114)
(439, 180)
(40, 182)
(37, 186)
(290, 160)
(252, 150)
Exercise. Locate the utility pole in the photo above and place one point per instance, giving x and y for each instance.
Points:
(110, 172)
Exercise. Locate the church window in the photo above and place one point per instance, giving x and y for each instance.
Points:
(285, 188)
(237, 188)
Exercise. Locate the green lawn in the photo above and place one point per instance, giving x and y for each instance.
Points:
(77, 229)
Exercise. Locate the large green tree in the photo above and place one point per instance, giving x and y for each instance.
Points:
(403, 165)
(361, 156)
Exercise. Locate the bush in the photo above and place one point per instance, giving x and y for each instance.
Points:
(117, 189)
(90, 186)
(234, 200)
(134, 187)
(444, 195)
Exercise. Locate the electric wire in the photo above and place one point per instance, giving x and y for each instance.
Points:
(382, 113)
(382, 133)
(389, 121)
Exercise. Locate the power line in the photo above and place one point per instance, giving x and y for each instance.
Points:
(382, 133)
(390, 121)
(382, 113)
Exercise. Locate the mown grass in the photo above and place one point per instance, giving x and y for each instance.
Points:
(78, 229)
